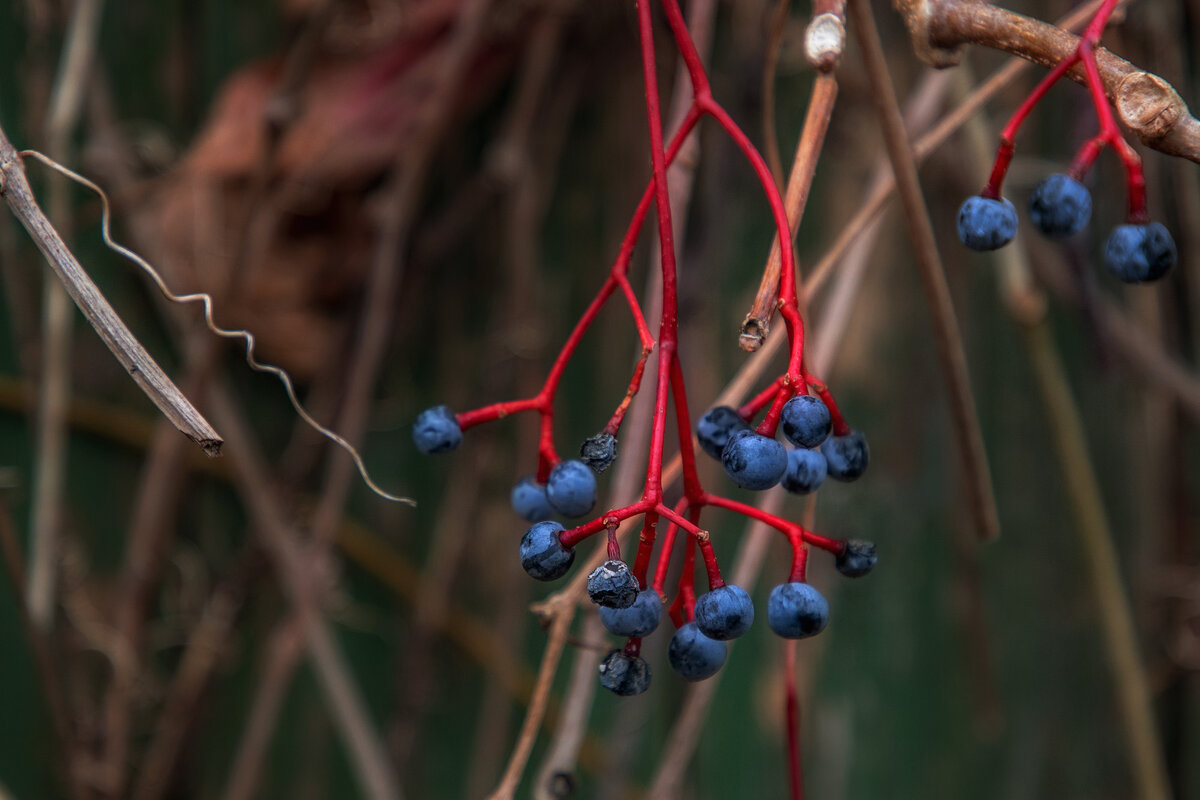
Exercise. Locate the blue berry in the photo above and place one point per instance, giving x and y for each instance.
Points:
(857, 559)
(724, 613)
(753, 461)
(624, 675)
(612, 585)
(1060, 206)
(1137, 253)
(571, 488)
(542, 553)
(529, 500)
(805, 421)
(797, 610)
(986, 224)
(639, 619)
(599, 452)
(714, 428)
(806, 471)
(846, 456)
(695, 656)
(436, 430)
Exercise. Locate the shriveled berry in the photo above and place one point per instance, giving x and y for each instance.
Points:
(624, 675)
(1060, 206)
(805, 421)
(754, 461)
(599, 451)
(612, 585)
(806, 471)
(724, 613)
(571, 488)
(436, 430)
(796, 610)
(857, 559)
(715, 427)
(639, 619)
(846, 456)
(1139, 253)
(529, 500)
(543, 554)
(693, 655)
(986, 224)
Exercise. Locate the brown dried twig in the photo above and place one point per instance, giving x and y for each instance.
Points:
(953, 359)
(141, 366)
(1145, 103)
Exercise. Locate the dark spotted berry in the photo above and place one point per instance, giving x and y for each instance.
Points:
(693, 655)
(714, 429)
(571, 488)
(797, 610)
(724, 613)
(624, 675)
(846, 456)
(1139, 253)
(436, 430)
(639, 619)
(612, 585)
(599, 452)
(543, 554)
(805, 471)
(805, 421)
(986, 224)
(1060, 206)
(753, 461)
(529, 500)
(857, 559)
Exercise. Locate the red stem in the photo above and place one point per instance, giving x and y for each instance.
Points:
(792, 706)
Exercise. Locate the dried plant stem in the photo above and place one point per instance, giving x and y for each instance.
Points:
(96, 309)
(779, 19)
(757, 324)
(346, 705)
(668, 781)
(976, 475)
(1027, 306)
(560, 610)
(283, 653)
(66, 103)
(43, 657)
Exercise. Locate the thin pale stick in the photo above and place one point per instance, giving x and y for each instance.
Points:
(757, 324)
(207, 300)
(66, 103)
(96, 309)
(953, 360)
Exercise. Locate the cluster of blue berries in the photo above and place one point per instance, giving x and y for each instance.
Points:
(629, 609)
(758, 462)
(1061, 206)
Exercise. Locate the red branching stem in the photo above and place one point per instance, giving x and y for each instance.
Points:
(613, 426)
(799, 558)
(1110, 134)
(692, 490)
(840, 428)
(1008, 136)
(669, 325)
(664, 557)
(633, 646)
(771, 421)
(614, 547)
(756, 404)
(645, 548)
(765, 517)
(834, 546)
(792, 706)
